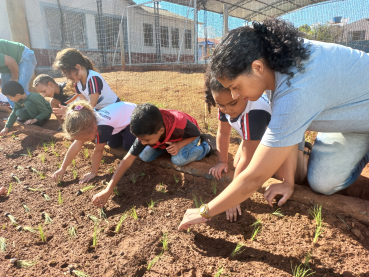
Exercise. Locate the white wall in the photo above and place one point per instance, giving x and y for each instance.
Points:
(4, 22)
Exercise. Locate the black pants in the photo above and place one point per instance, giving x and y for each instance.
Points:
(124, 138)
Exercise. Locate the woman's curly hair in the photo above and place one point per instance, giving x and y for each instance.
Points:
(275, 40)
(212, 85)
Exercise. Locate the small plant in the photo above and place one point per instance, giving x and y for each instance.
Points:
(10, 188)
(278, 212)
(165, 241)
(219, 272)
(300, 271)
(319, 229)
(47, 218)
(18, 167)
(30, 168)
(29, 153)
(74, 163)
(257, 229)
(23, 263)
(307, 258)
(316, 213)
(44, 145)
(85, 153)
(116, 191)
(42, 157)
(154, 261)
(75, 173)
(175, 179)
(237, 250)
(102, 214)
(26, 208)
(133, 178)
(56, 154)
(42, 235)
(32, 189)
(214, 186)
(11, 218)
(122, 218)
(152, 204)
(134, 213)
(29, 229)
(60, 198)
(194, 197)
(44, 195)
(94, 239)
(66, 144)
(72, 231)
(58, 165)
(93, 218)
(2, 244)
(79, 273)
(15, 178)
(143, 174)
(102, 161)
(52, 143)
(42, 175)
(84, 189)
(111, 170)
(161, 188)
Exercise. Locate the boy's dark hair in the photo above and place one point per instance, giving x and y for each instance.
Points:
(146, 119)
(43, 79)
(12, 88)
(212, 85)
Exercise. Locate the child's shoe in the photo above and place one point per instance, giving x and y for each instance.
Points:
(209, 139)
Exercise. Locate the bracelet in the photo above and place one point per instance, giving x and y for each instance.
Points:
(206, 219)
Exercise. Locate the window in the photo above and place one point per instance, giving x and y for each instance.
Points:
(357, 35)
(188, 40)
(164, 36)
(148, 34)
(175, 37)
(71, 34)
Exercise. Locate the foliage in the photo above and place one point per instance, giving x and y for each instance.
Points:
(219, 272)
(47, 198)
(116, 191)
(29, 153)
(94, 239)
(257, 229)
(93, 218)
(75, 173)
(26, 208)
(237, 250)
(79, 273)
(25, 264)
(42, 236)
(152, 204)
(47, 217)
(154, 261)
(278, 212)
(84, 189)
(72, 231)
(300, 271)
(161, 188)
(165, 241)
(322, 32)
(122, 218)
(42, 157)
(60, 198)
(2, 244)
(85, 153)
(176, 179)
(10, 188)
(134, 213)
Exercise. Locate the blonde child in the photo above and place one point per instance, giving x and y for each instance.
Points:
(110, 125)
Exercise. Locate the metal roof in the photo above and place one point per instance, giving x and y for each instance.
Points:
(250, 10)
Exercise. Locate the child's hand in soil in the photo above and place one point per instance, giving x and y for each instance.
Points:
(2, 190)
(232, 213)
(285, 189)
(101, 198)
(172, 148)
(191, 217)
(58, 175)
(216, 170)
(88, 176)
(4, 131)
(30, 121)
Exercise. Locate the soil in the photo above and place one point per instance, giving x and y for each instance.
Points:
(201, 251)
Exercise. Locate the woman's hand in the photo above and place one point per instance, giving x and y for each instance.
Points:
(87, 177)
(191, 217)
(58, 175)
(232, 213)
(216, 170)
(101, 198)
(285, 189)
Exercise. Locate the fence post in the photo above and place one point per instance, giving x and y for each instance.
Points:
(121, 37)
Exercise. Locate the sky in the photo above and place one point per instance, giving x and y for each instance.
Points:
(319, 13)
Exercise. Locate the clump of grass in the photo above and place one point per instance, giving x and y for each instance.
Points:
(72, 231)
(219, 272)
(74, 163)
(79, 273)
(26, 208)
(2, 244)
(47, 218)
(122, 218)
(44, 195)
(152, 204)
(116, 191)
(56, 154)
(316, 213)
(25, 264)
(278, 212)
(75, 173)
(42, 235)
(214, 186)
(161, 188)
(154, 261)
(11, 218)
(102, 214)
(15, 178)
(66, 144)
(42, 157)
(93, 218)
(94, 239)
(84, 189)
(44, 145)
(133, 178)
(10, 188)
(165, 241)
(52, 143)
(60, 198)
(257, 229)
(29, 153)
(237, 250)
(176, 179)
(85, 153)
(134, 213)
(300, 271)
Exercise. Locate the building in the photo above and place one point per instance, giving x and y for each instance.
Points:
(356, 35)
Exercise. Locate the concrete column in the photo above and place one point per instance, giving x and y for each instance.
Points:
(225, 19)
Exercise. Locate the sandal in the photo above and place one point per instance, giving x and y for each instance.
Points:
(309, 146)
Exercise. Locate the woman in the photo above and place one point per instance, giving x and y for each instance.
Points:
(311, 86)
(17, 63)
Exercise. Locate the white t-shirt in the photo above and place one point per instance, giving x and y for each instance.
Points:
(95, 83)
(113, 119)
(4, 101)
(253, 121)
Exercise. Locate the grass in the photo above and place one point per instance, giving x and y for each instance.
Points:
(60, 198)
(16, 178)
(42, 235)
(257, 229)
(219, 271)
(214, 186)
(237, 250)
(75, 173)
(47, 198)
(12, 219)
(79, 273)
(52, 143)
(307, 258)
(10, 188)
(56, 154)
(152, 204)
(133, 178)
(72, 231)
(116, 191)
(94, 239)
(85, 153)
(86, 188)
(161, 188)
(102, 214)
(93, 218)
(122, 218)
(44, 145)
(25, 264)
(176, 179)
(165, 241)
(153, 261)
(42, 157)
(29, 153)
(2, 244)
(74, 163)
(42, 175)
(26, 208)
(48, 219)
(300, 271)
(29, 229)
(134, 213)
(316, 213)
(66, 144)
(319, 229)
(278, 212)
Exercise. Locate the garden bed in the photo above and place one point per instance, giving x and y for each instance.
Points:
(341, 250)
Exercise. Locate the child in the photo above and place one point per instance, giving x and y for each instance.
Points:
(250, 119)
(4, 104)
(88, 83)
(158, 132)
(29, 107)
(109, 125)
(46, 85)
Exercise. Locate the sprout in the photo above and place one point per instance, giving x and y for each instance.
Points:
(278, 212)
(237, 250)
(32, 189)
(10, 188)
(122, 218)
(47, 198)
(15, 178)
(26, 208)
(165, 241)
(2, 244)
(26, 228)
(134, 213)
(22, 263)
(60, 198)
(47, 218)
(300, 271)
(154, 261)
(102, 214)
(116, 191)
(94, 239)
(78, 273)
(72, 231)
(93, 218)
(30, 168)
(86, 188)
(12, 219)
(42, 236)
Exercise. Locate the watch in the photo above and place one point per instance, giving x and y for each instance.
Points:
(204, 210)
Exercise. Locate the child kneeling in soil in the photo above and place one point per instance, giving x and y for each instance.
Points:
(46, 85)
(29, 107)
(159, 132)
(110, 125)
(250, 119)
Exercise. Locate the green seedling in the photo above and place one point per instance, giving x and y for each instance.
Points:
(60, 198)
(75, 173)
(11, 218)
(133, 178)
(143, 174)
(134, 213)
(4, 227)
(29, 153)
(52, 143)
(42, 175)
(93, 218)
(214, 186)
(102, 214)
(257, 229)
(165, 241)
(316, 213)
(319, 229)
(26, 208)
(278, 212)
(72, 231)
(15, 178)
(2, 244)
(56, 154)
(13, 136)
(23, 263)
(219, 272)
(44, 145)
(79, 273)
(111, 170)
(102, 161)
(122, 218)
(32, 189)
(47, 218)
(116, 191)
(94, 239)
(74, 163)
(85, 153)
(44, 195)
(10, 188)
(237, 250)
(26, 228)
(66, 144)
(194, 197)
(42, 157)
(161, 188)
(307, 258)
(84, 189)
(30, 168)
(152, 204)
(18, 167)
(300, 271)
(175, 179)
(42, 235)
(154, 261)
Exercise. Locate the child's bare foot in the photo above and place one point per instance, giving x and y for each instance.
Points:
(2, 191)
